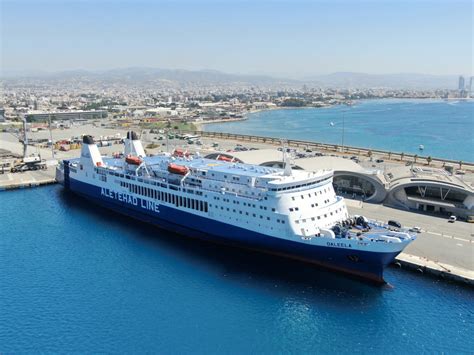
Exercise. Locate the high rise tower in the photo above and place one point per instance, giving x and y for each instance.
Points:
(461, 83)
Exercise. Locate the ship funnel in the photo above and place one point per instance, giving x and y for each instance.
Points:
(90, 153)
(132, 135)
(133, 146)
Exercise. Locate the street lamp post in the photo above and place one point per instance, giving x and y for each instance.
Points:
(343, 130)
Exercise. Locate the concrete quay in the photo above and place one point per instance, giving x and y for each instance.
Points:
(10, 181)
(442, 249)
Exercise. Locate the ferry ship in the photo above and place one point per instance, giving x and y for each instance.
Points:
(286, 212)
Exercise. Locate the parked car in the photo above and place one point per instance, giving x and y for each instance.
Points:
(393, 223)
(379, 161)
(470, 219)
(415, 229)
(452, 219)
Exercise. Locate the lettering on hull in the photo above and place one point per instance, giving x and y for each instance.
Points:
(131, 200)
(338, 245)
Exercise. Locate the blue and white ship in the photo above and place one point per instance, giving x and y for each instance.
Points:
(287, 212)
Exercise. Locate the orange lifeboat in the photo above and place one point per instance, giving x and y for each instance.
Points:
(133, 160)
(224, 158)
(180, 153)
(177, 169)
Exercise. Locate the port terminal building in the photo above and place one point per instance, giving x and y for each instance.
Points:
(426, 189)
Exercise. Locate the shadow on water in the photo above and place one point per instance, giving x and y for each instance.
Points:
(231, 264)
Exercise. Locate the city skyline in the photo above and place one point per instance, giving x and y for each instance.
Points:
(275, 38)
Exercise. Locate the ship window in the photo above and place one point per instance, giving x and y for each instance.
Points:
(325, 216)
(283, 222)
(261, 217)
(293, 198)
(291, 209)
(302, 197)
(312, 218)
(273, 210)
(254, 215)
(268, 218)
(297, 209)
(297, 222)
(319, 217)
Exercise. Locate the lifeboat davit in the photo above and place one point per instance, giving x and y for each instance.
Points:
(133, 160)
(177, 169)
(224, 158)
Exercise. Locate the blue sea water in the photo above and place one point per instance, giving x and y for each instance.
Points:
(445, 128)
(77, 278)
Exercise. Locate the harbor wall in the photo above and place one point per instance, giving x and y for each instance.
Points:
(401, 156)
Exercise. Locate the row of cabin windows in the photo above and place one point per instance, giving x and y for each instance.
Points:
(246, 213)
(318, 217)
(313, 205)
(298, 186)
(309, 195)
(178, 201)
(241, 192)
(244, 203)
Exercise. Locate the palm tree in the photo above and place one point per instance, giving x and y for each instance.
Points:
(402, 156)
(369, 153)
(389, 155)
(460, 164)
(414, 158)
(429, 159)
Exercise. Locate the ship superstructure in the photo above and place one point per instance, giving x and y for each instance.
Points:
(283, 211)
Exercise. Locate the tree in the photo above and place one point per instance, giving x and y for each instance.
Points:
(369, 154)
(460, 164)
(389, 155)
(402, 156)
(414, 158)
(429, 160)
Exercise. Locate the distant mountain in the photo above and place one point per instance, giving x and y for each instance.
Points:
(140, 75)
(395, 81)
(176, 77)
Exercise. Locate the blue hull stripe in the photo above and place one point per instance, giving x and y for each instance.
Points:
(369, 265)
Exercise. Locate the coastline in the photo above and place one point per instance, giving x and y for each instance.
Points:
(362, 111)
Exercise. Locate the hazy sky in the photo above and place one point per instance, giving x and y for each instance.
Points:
(288, 38)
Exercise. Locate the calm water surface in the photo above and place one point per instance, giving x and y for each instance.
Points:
(445, 128)
(76, 278)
